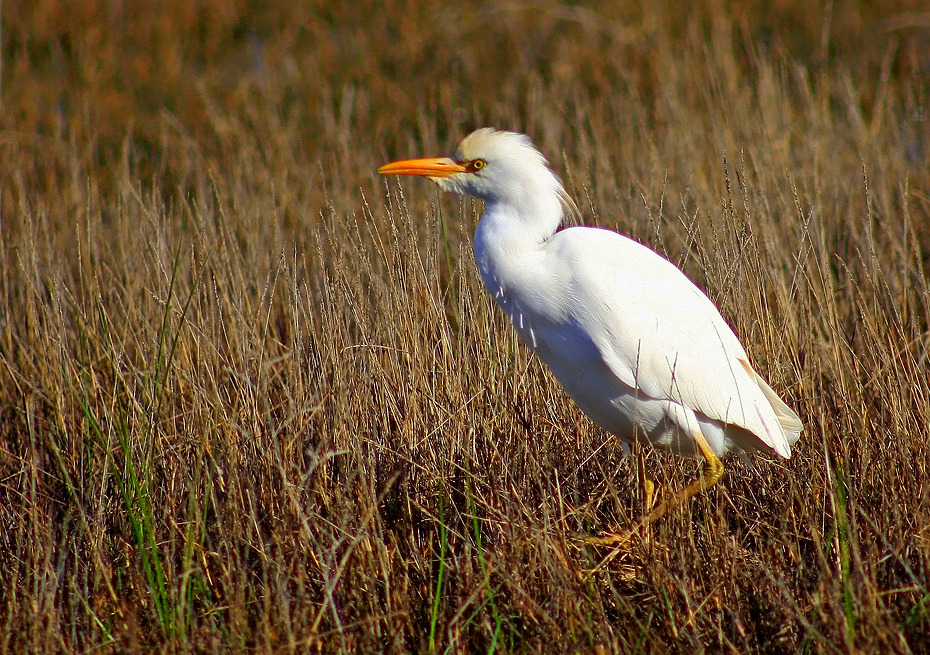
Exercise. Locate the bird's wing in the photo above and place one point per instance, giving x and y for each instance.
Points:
(660, 334)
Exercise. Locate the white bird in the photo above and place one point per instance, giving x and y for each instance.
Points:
(639, 347)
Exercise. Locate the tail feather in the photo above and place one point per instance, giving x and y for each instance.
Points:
(789, 421)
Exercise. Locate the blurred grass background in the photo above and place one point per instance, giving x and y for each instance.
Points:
(254, 398)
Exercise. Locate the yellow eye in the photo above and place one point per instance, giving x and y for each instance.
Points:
(476, 165)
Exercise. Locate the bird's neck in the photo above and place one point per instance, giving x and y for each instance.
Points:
(511, 236)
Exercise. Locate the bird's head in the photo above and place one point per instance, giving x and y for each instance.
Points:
(489, 164)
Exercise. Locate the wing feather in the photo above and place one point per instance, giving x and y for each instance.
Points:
(659, 333)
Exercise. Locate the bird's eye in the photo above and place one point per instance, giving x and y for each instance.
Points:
(476, 165)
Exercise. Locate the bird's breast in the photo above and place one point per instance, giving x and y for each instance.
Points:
(523, 321)
(549, 327)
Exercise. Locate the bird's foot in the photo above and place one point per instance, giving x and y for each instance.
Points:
(623, 539)
(649, 495)
(611, 539)
(623, 554)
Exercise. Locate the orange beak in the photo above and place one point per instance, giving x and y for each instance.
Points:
(438, 167)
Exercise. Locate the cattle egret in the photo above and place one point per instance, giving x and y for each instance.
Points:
(642, 350)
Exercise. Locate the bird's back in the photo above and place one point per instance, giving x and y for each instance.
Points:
(618, 313)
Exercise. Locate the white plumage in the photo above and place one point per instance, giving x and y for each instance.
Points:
(631, 339)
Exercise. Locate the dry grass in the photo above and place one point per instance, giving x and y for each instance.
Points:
(254, 398)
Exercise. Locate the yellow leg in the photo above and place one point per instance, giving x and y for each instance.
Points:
(649, 487)
(713, 471)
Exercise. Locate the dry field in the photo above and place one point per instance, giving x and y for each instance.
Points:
(253, 398)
